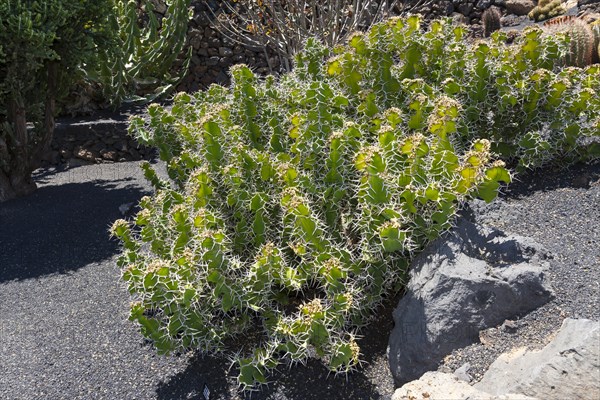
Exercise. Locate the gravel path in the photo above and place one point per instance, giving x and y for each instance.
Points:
(64, 332)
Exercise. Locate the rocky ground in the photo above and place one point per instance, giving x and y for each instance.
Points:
(78, 140)
(559, 209)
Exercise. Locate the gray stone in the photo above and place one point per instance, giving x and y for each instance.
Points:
(458, 18)
(65, 153)
(134, 153)
(509, 326)
(567, 368)
(227, 41)
(86, 154)
(196, 42)
(225, 52)
(519, 7)
(208, 32)
(464, 282)
(222, 78)
(200, 69)
(484, 4)
(214, 42)
(110, 155)
(196, 60)
(212, 61)
(237, 49)
(462, 373)
(465, 9)
(159, 6)
(121, 145)
(441, 386)
(202, 19)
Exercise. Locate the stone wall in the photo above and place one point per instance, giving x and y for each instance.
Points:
(214, 53)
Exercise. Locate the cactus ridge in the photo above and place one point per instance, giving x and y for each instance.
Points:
(596, 32)
(581, 39)
(294, 205)
(491, 20)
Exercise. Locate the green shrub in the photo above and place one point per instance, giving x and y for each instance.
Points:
(140, 66)
(42, 46)
(294, 206)
(519, 97)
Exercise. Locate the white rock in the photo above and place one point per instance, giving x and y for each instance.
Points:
(441, 386)
(567, 368)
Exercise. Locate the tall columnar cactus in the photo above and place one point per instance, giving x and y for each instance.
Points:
(295, 205)
(140, 66)
(546, 9)
(491, 21)
(596, 32)
(580, 36)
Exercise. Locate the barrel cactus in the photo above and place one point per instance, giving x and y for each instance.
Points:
(491, 21)
(580, 36)
(547, 9)
(596, 32)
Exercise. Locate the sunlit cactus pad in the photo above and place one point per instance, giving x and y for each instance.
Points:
(295, 204)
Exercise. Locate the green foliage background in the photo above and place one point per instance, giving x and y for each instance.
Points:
(35, 32)
(43, 45)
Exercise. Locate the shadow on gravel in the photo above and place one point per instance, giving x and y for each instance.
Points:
(579, 176)
(188, 384)
(61, 228)
(310, 381)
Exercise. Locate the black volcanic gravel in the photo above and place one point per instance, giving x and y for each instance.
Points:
(560, 209)
(64, 332)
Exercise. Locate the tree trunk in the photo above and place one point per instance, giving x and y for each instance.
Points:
(43, 146)
(17, 180)
(6, 190)
(22, 156)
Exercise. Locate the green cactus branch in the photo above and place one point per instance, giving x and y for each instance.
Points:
(295, 204)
